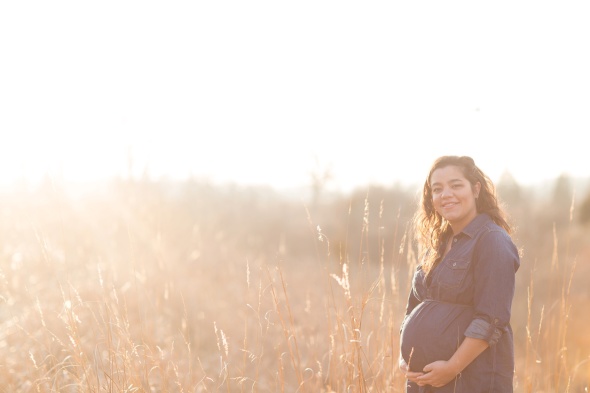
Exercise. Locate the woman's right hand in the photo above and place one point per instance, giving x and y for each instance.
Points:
(403, 366)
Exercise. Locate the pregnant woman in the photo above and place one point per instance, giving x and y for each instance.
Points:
(456, 335)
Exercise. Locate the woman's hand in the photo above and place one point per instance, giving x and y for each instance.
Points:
(437, 374)
(403, 366)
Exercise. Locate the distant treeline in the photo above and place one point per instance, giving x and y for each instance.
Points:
(195, 217)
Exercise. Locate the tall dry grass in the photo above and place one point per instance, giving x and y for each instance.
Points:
(143, 287)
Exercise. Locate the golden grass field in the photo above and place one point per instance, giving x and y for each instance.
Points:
(148, 286)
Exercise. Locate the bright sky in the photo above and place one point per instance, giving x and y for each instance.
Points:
(262, 91)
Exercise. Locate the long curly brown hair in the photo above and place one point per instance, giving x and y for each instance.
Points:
(431, 228)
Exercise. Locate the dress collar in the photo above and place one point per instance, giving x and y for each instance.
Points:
(476, 224)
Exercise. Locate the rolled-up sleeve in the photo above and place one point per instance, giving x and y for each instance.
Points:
(484, 331)
(494, 272)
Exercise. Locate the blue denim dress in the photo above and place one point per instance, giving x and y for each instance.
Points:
(468, 294)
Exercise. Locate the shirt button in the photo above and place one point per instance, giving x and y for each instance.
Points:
(454, 263)
(455, 240)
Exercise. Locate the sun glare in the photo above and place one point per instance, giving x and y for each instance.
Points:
(244, 94)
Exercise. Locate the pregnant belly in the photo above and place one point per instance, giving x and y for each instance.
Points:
(433, 331)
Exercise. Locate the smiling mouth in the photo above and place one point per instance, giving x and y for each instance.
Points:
(449, 205)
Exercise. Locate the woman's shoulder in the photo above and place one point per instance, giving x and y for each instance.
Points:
(487, 224)
(489, 232)
(494, 236)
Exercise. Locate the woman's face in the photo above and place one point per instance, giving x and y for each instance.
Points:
(453, 197)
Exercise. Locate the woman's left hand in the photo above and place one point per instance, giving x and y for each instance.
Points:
(437, 374)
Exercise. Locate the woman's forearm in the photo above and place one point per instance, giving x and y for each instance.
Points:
(469, 349)
(441, 372)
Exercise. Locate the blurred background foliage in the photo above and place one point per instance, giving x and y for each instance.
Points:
(197, 223)
(187, 247)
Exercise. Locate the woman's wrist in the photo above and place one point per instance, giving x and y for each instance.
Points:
(455, 366)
